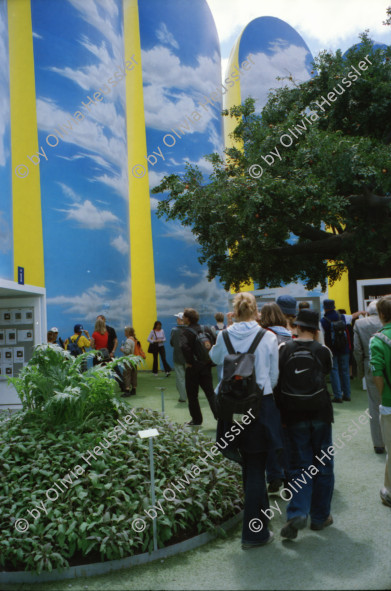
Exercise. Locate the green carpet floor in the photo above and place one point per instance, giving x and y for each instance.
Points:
(354, 553)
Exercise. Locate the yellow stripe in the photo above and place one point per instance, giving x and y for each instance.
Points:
(232, 98)
(141, 246)
(340, 293)
(26, 192)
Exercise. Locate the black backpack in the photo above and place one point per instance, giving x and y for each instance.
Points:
(339, 339)
(302, 382)
(73, 347)
(202, 346)
(238, 390)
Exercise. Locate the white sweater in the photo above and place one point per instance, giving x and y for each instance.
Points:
(242, 335)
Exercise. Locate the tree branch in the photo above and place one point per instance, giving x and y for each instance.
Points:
(330, 246)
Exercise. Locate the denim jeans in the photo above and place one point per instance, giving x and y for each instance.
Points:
(255, 498)
(304, 441)
(274, 465)
(340, 376)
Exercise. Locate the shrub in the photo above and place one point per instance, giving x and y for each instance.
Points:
(91, 520)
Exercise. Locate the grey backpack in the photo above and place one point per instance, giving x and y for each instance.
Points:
(238, 390)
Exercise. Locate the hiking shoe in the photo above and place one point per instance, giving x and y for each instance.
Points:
(379, 450)
(335, 399)
(385, 497)
(291, 528)
(319, 526)
(274, 485)
(248, 545)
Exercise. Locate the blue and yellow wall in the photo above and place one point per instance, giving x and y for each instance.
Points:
(98, 101)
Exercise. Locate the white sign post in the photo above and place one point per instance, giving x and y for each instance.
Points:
(151, 433)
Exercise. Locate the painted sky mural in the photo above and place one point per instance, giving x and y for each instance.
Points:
(6, 256)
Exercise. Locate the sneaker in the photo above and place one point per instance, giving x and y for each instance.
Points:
(192, 424)
(168, 374)
(379, 450)
(291, 528)
(385, 497)
(274, 485)
(335, 399)
(346, 399)
(248, 545)
(319, 526)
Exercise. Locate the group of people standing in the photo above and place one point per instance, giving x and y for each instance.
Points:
(287, 444)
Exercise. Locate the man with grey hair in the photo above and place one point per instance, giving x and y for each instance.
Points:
(179, 360)
(363, 330)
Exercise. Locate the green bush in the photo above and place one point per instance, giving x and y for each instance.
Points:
(91, 518)
(53, 388)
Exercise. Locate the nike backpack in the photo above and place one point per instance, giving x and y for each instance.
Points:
(302, 382)
(238, 390)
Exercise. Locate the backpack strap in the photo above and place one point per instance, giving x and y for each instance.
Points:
(227, 342)
(258, 337)
(77, 340)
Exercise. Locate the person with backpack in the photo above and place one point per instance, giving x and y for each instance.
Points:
(307, 415)
(179, 360)
(380, 362)
(336, 339)
(196, 341)
(253, 351)
(78, 343)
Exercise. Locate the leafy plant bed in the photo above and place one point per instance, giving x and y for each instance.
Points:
(88, 516)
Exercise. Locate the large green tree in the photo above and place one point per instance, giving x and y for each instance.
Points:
(321, 204)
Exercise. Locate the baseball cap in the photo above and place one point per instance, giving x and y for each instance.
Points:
(54, 329)
(78, 328)
(180, 315)
(328, 305)
(287, 304)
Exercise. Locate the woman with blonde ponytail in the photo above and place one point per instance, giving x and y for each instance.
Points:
(264, 432)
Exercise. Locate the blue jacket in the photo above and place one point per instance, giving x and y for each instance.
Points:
(332, 316)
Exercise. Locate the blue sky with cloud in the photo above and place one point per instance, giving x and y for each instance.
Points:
(181, 68)
(6, 241)
(78, 45)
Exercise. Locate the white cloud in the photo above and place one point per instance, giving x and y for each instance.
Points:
(323, 25)
(90, 135)
(5, 235)
(36, 36)
(4, 87)
(154, 203)
(205, 296)
(120, 244)
(178, 232)
(185, 272)
(88, 216)
(69, 192)
(262, 76)
(164, 36)
(93, 301)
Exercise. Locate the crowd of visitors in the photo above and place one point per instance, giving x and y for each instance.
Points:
(292, 353)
